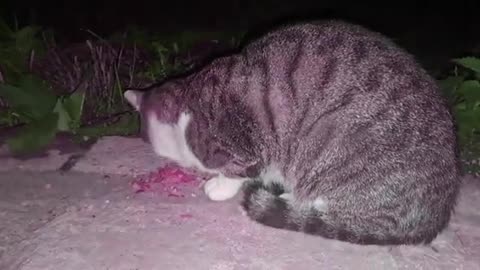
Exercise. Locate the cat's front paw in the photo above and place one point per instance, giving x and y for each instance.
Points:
(222, 188)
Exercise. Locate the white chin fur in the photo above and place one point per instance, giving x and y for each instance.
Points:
(169, 141)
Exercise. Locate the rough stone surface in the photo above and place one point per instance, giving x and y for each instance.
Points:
(119, 155)
(90, 218)
(52, 160)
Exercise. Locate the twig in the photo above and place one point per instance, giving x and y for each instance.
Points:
(99, 120)
(94, 34)
(2, 80)
(31, 58)
(132, 68)
(117, 76)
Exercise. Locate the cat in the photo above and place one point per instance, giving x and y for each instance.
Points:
(329, 128)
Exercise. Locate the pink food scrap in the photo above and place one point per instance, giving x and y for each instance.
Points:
(169, 180)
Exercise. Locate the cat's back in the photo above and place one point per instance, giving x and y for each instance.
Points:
(330, 45)
(307, 76)
(330, 37)
(335, 64)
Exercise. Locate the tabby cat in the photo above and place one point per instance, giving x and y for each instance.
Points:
(329, 127)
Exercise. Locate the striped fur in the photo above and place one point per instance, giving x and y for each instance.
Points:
(344, 115)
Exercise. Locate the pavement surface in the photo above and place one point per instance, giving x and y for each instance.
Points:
(77, 210)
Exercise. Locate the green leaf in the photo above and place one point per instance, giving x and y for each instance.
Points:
(468, 124)
(35, 136)
(449, 86)
(73, 104)
(63, 116)
(472, 63)
(7, 118)
(12, 63)
(5, 31)
(30, 99)
(25, 40)
(461, 106)
(470, 90)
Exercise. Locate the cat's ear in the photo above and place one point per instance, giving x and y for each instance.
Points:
(134, 97)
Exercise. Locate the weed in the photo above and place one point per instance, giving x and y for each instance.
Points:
(462, 90)
(45, 89)
(42, 113)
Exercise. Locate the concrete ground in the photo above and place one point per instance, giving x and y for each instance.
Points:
(77, 210)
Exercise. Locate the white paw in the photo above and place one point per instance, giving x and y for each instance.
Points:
(221, 188)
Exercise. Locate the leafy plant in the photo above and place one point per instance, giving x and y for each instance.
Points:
(17, 48)
(462, 89)
(42, 113)
(31, 102)
(162, 67)
(166, 45)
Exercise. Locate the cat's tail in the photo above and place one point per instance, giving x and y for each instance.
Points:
(265, 205)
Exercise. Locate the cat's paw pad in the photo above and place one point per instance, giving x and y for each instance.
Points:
(221, 188)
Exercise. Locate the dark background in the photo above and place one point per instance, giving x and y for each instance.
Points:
(433, 30)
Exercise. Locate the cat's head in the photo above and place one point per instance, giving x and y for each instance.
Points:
(165, 103)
